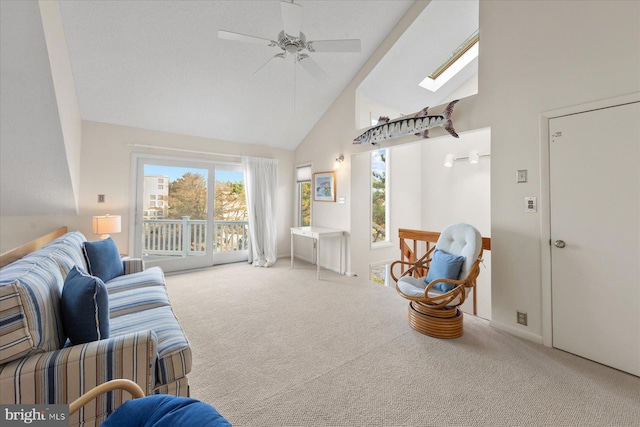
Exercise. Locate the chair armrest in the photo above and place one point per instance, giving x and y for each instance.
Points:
(134, 390)
(61, 376)
(420, 266)
(447, 297)
(132, 265)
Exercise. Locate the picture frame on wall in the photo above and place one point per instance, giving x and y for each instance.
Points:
(324, 186)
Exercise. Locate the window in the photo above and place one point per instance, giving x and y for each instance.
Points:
(379, 194)
(379, 273)
(460, 58)
(303, 179)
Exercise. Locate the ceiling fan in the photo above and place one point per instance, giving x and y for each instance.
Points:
(293, 42)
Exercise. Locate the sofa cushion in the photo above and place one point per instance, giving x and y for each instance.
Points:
(103, 259)
(84, 307)
(66, 256)
(68, 251)
(134, 299)
(153, 276)
(30, 306)
(174, 354)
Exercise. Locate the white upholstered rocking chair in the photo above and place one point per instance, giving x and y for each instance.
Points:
(451, 267)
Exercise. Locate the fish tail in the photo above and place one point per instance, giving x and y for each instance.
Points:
(447, 116)
(447, 111)
(449, 128)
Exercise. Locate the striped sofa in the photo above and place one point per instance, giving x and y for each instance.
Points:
(38, 365)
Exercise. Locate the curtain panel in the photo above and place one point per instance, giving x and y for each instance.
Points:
(261, 189)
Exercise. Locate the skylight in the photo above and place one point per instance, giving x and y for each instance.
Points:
(460, 58)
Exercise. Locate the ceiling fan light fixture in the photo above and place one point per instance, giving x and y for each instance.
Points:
(293, 42)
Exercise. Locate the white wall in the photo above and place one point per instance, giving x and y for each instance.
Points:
(39, 151)
(461, 193)
(405, 186)
(106, 169)
(535, 57)
(65, 88)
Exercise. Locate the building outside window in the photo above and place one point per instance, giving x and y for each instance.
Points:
(153, 200)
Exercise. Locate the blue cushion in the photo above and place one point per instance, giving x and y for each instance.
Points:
(444, 266)
(161, 410)
(84, 307)
(103, 259)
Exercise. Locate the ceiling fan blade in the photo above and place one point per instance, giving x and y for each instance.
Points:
(348, 45)
(313, 68)
(227, 35)
(291, 18)
(280, 55)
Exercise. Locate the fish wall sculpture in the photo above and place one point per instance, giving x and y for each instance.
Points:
(418, 125)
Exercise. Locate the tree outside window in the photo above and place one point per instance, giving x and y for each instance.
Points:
(378, 196)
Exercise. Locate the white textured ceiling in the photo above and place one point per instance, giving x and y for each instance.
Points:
(160, 65)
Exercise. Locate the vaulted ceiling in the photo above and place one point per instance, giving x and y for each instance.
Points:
(160, 65)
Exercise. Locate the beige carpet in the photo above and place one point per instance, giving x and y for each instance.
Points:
(276, 347)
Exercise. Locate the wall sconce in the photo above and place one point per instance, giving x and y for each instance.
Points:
(338, 162)
(473, 157)
(448, 161)
(104, 225)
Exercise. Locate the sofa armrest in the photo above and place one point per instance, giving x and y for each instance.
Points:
(132, 265)
(61, 376)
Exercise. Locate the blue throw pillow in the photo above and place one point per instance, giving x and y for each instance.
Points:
(161, 410)
(84, 307)
(444, 266)
(103, 259)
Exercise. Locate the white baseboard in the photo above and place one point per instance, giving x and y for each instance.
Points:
(310, 261)
(516, 331)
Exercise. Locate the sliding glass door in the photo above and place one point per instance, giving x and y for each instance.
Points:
(189, 214)
(231, 226)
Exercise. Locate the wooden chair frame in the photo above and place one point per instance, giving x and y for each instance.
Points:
(437, 316)
(120, 384)
(419, 268)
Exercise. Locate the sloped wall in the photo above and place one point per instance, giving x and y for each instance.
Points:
(38, 170)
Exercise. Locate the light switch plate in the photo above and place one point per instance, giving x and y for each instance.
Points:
(530, 204)
(521, 176)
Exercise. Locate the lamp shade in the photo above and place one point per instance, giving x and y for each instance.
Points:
(106, 224)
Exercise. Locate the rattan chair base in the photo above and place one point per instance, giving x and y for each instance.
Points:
(437, 323)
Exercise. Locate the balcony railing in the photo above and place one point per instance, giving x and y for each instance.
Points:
(187, 237)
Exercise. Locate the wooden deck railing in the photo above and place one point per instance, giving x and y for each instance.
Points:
(187, 237)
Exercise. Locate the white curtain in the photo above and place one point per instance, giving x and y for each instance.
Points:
(261, 189)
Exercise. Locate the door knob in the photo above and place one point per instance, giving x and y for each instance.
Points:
(560, 244)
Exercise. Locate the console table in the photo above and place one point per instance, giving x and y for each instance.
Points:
(317, 234)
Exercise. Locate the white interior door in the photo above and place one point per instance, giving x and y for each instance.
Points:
(595, 235)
